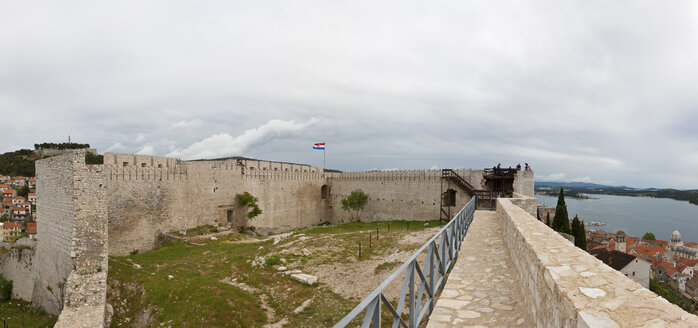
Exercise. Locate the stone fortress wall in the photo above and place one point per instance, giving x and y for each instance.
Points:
(16, 265)
(90, 211)
(149, 194)
(398, 195)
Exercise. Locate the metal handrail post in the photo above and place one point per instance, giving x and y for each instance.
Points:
(412, 314)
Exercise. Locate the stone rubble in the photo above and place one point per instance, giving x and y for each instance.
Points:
(304, 278)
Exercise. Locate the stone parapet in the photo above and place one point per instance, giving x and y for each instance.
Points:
(564, 286)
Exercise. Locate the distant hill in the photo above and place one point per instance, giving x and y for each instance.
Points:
(578, 188)
(582, 185)
(18, 163)
(22, 162)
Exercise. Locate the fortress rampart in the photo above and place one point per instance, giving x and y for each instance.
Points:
(89, 211)
(70, 265)
(564, 286)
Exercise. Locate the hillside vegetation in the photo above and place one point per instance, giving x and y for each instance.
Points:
(22, 162)
(18, 163)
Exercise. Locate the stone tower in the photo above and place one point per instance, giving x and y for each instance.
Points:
(620, 241)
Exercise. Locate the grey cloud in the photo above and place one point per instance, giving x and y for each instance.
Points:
(585, 89)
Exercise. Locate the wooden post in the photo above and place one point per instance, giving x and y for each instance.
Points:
(376, 233)
(359, 249)
(369, 240)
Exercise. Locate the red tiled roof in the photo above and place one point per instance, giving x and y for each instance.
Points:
(687, 262)
(662, 243)
(8, 191)
(32, 179)
(691, 244)
(5, 186)
(18, 197)
(668, 267)
(649, 250)
(31, 194)
(10, 225)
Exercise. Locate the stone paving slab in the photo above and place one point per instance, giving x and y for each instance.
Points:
(481, 290)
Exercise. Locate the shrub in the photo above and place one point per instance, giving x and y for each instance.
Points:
(272, 260)
(356, 201)
(246, 199)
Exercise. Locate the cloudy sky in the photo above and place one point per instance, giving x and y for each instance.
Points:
(600, 91)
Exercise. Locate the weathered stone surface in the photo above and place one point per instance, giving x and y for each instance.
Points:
(304, 278)
(564, 286)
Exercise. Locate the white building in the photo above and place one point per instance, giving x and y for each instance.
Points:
(632, 267)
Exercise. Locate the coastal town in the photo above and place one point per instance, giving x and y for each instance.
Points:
(18, 215)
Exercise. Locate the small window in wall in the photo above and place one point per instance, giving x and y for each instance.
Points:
(125, 164)
(325, 192)
(230, 216)
(142, 164)
(159, 166)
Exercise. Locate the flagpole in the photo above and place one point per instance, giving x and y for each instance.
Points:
(323, 160)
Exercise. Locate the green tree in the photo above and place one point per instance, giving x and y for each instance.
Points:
(648, 236)
(574, 231)
(355, 202)
(582, 236)
(246, 199)
(92, 159)
(561, 221)
(23, 191)
(579, 233)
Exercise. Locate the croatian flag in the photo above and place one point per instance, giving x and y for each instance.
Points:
(319, 146)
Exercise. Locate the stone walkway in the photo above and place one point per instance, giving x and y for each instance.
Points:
(481, 290)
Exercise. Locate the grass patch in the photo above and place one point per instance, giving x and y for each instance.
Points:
(18, 313)
(272, 260)
(383, 226)
(199, 295)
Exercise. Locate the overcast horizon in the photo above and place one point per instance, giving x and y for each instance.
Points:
(601, 92)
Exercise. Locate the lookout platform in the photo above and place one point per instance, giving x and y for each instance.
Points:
(482, 288)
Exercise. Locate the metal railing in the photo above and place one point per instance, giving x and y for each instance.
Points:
(432, 277)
